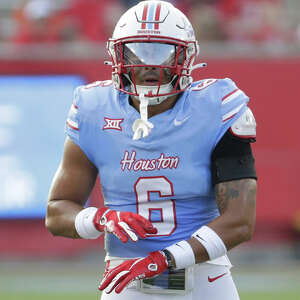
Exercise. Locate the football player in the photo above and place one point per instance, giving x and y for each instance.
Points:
(174, 159)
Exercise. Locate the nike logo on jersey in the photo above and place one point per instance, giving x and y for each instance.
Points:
(212, 279)
(178, 123)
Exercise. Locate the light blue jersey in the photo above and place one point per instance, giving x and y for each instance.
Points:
(166, 176)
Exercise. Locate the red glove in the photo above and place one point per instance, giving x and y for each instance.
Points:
(119, 277)
(123, 224)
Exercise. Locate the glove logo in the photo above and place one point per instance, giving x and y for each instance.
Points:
(152, 267)
(121, 276)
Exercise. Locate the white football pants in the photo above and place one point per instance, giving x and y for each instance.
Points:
(219, 287)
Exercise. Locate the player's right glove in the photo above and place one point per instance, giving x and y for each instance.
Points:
(138, 268)
(123, 225)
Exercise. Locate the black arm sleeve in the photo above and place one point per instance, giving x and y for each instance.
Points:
(232, 159)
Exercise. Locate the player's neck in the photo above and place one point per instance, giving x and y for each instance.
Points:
(156, 109)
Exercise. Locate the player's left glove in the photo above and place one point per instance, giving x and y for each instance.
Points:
(119, 277)
(123, 224)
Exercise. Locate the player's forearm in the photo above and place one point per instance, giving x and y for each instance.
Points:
(237, 205)
(235, 225)
(236, 201)
(60, 218)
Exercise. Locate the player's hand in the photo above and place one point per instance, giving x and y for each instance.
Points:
(123, 225)
(119, 277)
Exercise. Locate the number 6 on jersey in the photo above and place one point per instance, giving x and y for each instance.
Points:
(163, 209)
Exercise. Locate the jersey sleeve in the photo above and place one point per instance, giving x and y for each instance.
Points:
(82, 120)
(72, 126)
(233, 102)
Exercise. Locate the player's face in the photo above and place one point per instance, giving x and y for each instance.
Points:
(152, 76)
(147, 57)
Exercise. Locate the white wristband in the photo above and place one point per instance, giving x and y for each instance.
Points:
(183, 254)
(211, 241)
(84, 224)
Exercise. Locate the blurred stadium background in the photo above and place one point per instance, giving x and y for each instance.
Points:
(47, 47)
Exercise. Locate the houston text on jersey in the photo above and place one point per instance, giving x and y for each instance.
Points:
(163, 162)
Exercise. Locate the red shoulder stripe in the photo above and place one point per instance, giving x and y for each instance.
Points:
(229, 94)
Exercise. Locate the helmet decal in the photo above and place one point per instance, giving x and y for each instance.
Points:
(151, 16)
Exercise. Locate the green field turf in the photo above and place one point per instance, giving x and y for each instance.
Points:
(96, 296)
(271, 296)
(49, 296)
(79, 279)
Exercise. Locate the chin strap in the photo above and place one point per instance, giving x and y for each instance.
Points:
(142, 127)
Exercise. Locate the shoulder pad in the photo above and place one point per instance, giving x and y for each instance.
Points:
(245, 126)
